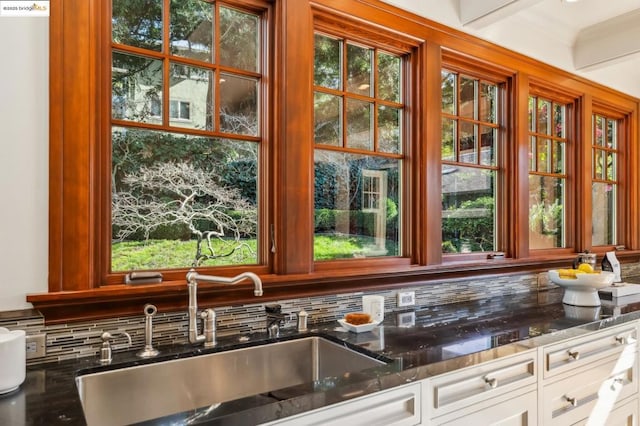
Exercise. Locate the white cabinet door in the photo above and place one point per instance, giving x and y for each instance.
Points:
(518, 411)
(400, 406)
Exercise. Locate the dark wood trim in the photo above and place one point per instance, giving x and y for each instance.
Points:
(115, 301)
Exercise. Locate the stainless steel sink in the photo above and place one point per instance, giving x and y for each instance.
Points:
(144, 392)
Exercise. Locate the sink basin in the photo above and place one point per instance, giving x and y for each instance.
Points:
(144, 392)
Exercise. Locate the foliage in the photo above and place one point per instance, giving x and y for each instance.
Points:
(169, 194)
(463, 227)
(546, 218)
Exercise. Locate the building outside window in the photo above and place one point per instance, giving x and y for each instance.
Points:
(358, 160)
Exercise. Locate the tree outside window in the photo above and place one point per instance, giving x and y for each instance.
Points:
(184, 151)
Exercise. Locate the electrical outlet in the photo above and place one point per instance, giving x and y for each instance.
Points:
(36, 346)
(406, 298)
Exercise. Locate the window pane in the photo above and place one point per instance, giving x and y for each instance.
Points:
(448, 87)
(488, 146)
(604, 214)
(327, 62)
(136, 85)
(468, 210)
(179, 200)
(239, 105)
(544, 155)
(137, 23)
(327, 110)
(468, 143)
(544, 119)
(599, 134)
(239, 39)
(389, 77)
(449, 139)
(359, 125)
(488, 102)
(388, 129)
(533, 142)
(468, 95)
(546, 212)
(611, 134)
(357, 206)
(193, 87)
(532, 115)
(359, 76)
(559, 120)
(191, 30)
(558, 157)
(611, 173)
(599, 172)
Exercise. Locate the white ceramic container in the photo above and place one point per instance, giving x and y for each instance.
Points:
(582, 290)
(12, 359)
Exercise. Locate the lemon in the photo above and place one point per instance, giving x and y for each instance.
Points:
(585, 267)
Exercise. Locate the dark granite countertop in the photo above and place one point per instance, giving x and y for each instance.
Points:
(416, 344)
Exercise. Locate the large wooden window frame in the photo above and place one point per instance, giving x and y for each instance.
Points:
(378, 39)
(505, 147)
(80, 289)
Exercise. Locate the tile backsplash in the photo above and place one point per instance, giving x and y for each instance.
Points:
(80, 339)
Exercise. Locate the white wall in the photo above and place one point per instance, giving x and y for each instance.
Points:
(24, 167)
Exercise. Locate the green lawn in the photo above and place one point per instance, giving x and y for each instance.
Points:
(167, 254)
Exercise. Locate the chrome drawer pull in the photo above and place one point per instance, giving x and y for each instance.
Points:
(493, 383)
(617, 381)
(624, 340)
(572, 401)
(575, 355)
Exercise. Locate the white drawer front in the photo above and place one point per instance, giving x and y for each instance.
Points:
(468, 386)
(595, 389)
(399, 406)
(624, 415)
(577, 352)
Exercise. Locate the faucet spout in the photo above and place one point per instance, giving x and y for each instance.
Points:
(208, 335)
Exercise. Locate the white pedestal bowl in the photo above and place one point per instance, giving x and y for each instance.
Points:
(582, 290)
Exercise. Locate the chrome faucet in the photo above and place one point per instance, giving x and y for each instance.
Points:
(208, 335)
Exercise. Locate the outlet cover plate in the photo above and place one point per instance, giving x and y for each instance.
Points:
(36, 345)
(406, 298)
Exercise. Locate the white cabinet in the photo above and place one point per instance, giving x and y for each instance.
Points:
(400, 406)
(588, 380)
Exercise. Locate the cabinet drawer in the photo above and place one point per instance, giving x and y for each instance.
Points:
(594, 389)
(624, 415)
(474, 384)
(399, 406)
(577, 352)
(509, 410)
